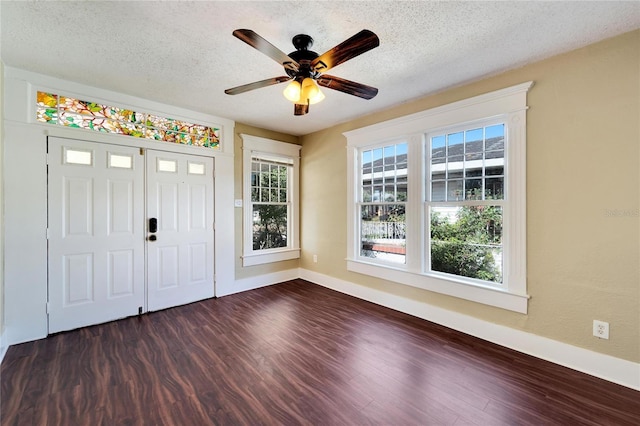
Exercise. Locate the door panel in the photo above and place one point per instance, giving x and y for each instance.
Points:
(120, 273)
(167, 266)
(120, 207)
(167, 206)
(96, 234)
(78, 279)
(180, 260)
(198, 211)
(78, 208)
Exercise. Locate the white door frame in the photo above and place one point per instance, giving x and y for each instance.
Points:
(100, 154)
(25, 190)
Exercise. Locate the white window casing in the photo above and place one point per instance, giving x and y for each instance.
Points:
(508, 106)
(270, 150)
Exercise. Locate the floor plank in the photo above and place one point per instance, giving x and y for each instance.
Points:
(293, 353)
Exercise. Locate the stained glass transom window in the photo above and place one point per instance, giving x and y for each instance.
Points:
(70, 112)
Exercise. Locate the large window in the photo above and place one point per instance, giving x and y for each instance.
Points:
(270, 200)
(437, 199)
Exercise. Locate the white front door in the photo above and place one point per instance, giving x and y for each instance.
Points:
(180, 251)
(96, 233)
(100, 247)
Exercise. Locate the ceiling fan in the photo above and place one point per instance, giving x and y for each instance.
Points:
(305, 68)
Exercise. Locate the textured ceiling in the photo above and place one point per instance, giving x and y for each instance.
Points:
(183, 53)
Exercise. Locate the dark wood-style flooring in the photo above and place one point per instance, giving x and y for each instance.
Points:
(290, 354)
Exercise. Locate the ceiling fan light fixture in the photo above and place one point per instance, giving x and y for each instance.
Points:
(305, 92)
(311, 92)
(292, 91)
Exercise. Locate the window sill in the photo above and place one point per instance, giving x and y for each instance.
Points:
(270, 257)
(497, 297)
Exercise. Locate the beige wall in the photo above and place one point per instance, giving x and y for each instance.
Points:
(252, 271)
(1, 200)
(583, 181)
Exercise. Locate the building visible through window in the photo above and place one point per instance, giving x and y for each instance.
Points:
(382, 205)
(466, 189)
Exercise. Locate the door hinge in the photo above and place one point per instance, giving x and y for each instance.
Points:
(48, 307)
(141, 151)
(48, 235)
(139, 310)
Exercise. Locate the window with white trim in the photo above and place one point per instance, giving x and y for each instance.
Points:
(437, 199)
(270, 192)
(465, 201)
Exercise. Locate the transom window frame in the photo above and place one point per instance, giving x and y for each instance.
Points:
(68, 111)
(255, 146)
(508, 105)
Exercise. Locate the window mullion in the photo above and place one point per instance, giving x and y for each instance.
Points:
(415, 197)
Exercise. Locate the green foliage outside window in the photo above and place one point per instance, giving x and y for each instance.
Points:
(469, 246)
(270, 228)
(270, 209)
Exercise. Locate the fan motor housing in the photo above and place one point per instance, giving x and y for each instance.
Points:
(303, 56)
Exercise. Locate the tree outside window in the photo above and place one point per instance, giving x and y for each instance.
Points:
(269, 196)
(469, 243)
(466, 196)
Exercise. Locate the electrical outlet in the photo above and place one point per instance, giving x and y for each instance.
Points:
(315, 258)
(601, 329)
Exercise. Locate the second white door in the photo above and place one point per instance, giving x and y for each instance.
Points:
(180, 248)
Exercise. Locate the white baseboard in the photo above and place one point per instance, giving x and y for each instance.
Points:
(616, 370)
(252, 283)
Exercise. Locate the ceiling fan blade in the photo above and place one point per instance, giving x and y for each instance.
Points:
(362, 42)
(347, 86)
(257, 42)
(256, 85)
